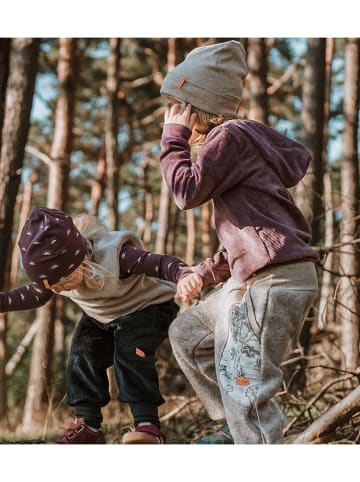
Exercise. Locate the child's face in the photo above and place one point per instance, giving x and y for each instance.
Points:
(71, 282)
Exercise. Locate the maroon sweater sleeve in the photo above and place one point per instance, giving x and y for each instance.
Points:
(26, 297)
(214, 270)
(134, 260)
(216, 170)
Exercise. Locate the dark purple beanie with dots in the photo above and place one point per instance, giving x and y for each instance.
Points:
(51, 246)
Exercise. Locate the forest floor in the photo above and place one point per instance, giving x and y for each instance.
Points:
(184, 420)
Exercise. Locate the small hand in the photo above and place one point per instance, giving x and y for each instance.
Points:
(189, 286)
(180, 114)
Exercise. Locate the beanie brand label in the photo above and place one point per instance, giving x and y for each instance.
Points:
(181, 82)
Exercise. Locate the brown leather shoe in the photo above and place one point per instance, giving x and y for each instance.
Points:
(144, 433)
(80, 433)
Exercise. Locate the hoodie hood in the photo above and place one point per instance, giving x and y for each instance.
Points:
(288, 158)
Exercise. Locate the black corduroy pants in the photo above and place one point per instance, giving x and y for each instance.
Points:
(129, 343)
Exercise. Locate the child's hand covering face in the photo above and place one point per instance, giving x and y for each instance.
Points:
(189, 286)
(180, 114)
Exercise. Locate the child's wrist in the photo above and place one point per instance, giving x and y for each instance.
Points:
(179, 130)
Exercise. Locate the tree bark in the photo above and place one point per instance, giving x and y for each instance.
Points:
(4, 73)
(163, 219)
(309, 190)
(191, 237)
(111, 133)
(164, 202)
(24, 213)
(147, 204)
(64, 118)
(38, 389)
(19, 95)
(208, 233)
(258, 67)
(326, 303)
(98, 186)
(39, 386)
(18, 102)
(348, 292)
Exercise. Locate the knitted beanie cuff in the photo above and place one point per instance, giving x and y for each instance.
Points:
(199, 97)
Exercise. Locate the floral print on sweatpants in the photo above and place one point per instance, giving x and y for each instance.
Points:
(231, 344)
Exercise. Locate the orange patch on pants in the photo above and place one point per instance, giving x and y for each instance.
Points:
(242, 381)
(139, 352)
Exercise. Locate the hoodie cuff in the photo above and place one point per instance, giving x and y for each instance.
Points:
(176, 130)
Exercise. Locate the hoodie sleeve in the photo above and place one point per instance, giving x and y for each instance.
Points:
(216, 170)
(134, 260)
(26, 297)
(212, 270)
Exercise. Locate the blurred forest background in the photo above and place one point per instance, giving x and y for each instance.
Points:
(80, 124)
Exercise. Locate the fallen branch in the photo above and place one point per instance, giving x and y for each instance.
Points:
(25, 342)
(178, 409)
(319, 430)
(315, 399)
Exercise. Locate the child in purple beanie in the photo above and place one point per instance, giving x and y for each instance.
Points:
(126, 295)
(231, 344)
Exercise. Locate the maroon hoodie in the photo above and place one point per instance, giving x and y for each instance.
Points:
(245, 168)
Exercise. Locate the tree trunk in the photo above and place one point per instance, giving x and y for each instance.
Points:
(309, 190)
(348, 292)
(3, 379)
(111, 133)
(326, 303)
(24, 213)
(64, 118)
(39, 387)
(18, 102)
(164, 202)
(258, 67)
(19, 95)
(209, 240)
(98, 186)
(147, 204)
(163, 220)
(112, 158)
(191, 237)
(174, 217)
(4, 73)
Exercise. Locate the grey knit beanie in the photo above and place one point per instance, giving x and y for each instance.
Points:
(51, 246)
(210, 78)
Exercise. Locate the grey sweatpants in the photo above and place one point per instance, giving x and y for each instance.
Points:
(231, 344)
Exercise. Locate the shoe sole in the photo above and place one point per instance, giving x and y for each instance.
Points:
(139, 438)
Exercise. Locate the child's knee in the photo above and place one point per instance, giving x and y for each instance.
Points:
(177, 331)
(183, 333)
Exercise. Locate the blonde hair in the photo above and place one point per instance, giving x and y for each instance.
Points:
(205, 122)
(91, 228)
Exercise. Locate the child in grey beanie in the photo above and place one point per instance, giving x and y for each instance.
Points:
(231, 344)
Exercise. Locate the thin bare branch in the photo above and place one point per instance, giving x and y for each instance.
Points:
(40, 155)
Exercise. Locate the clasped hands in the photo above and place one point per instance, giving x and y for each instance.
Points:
(189, 286)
